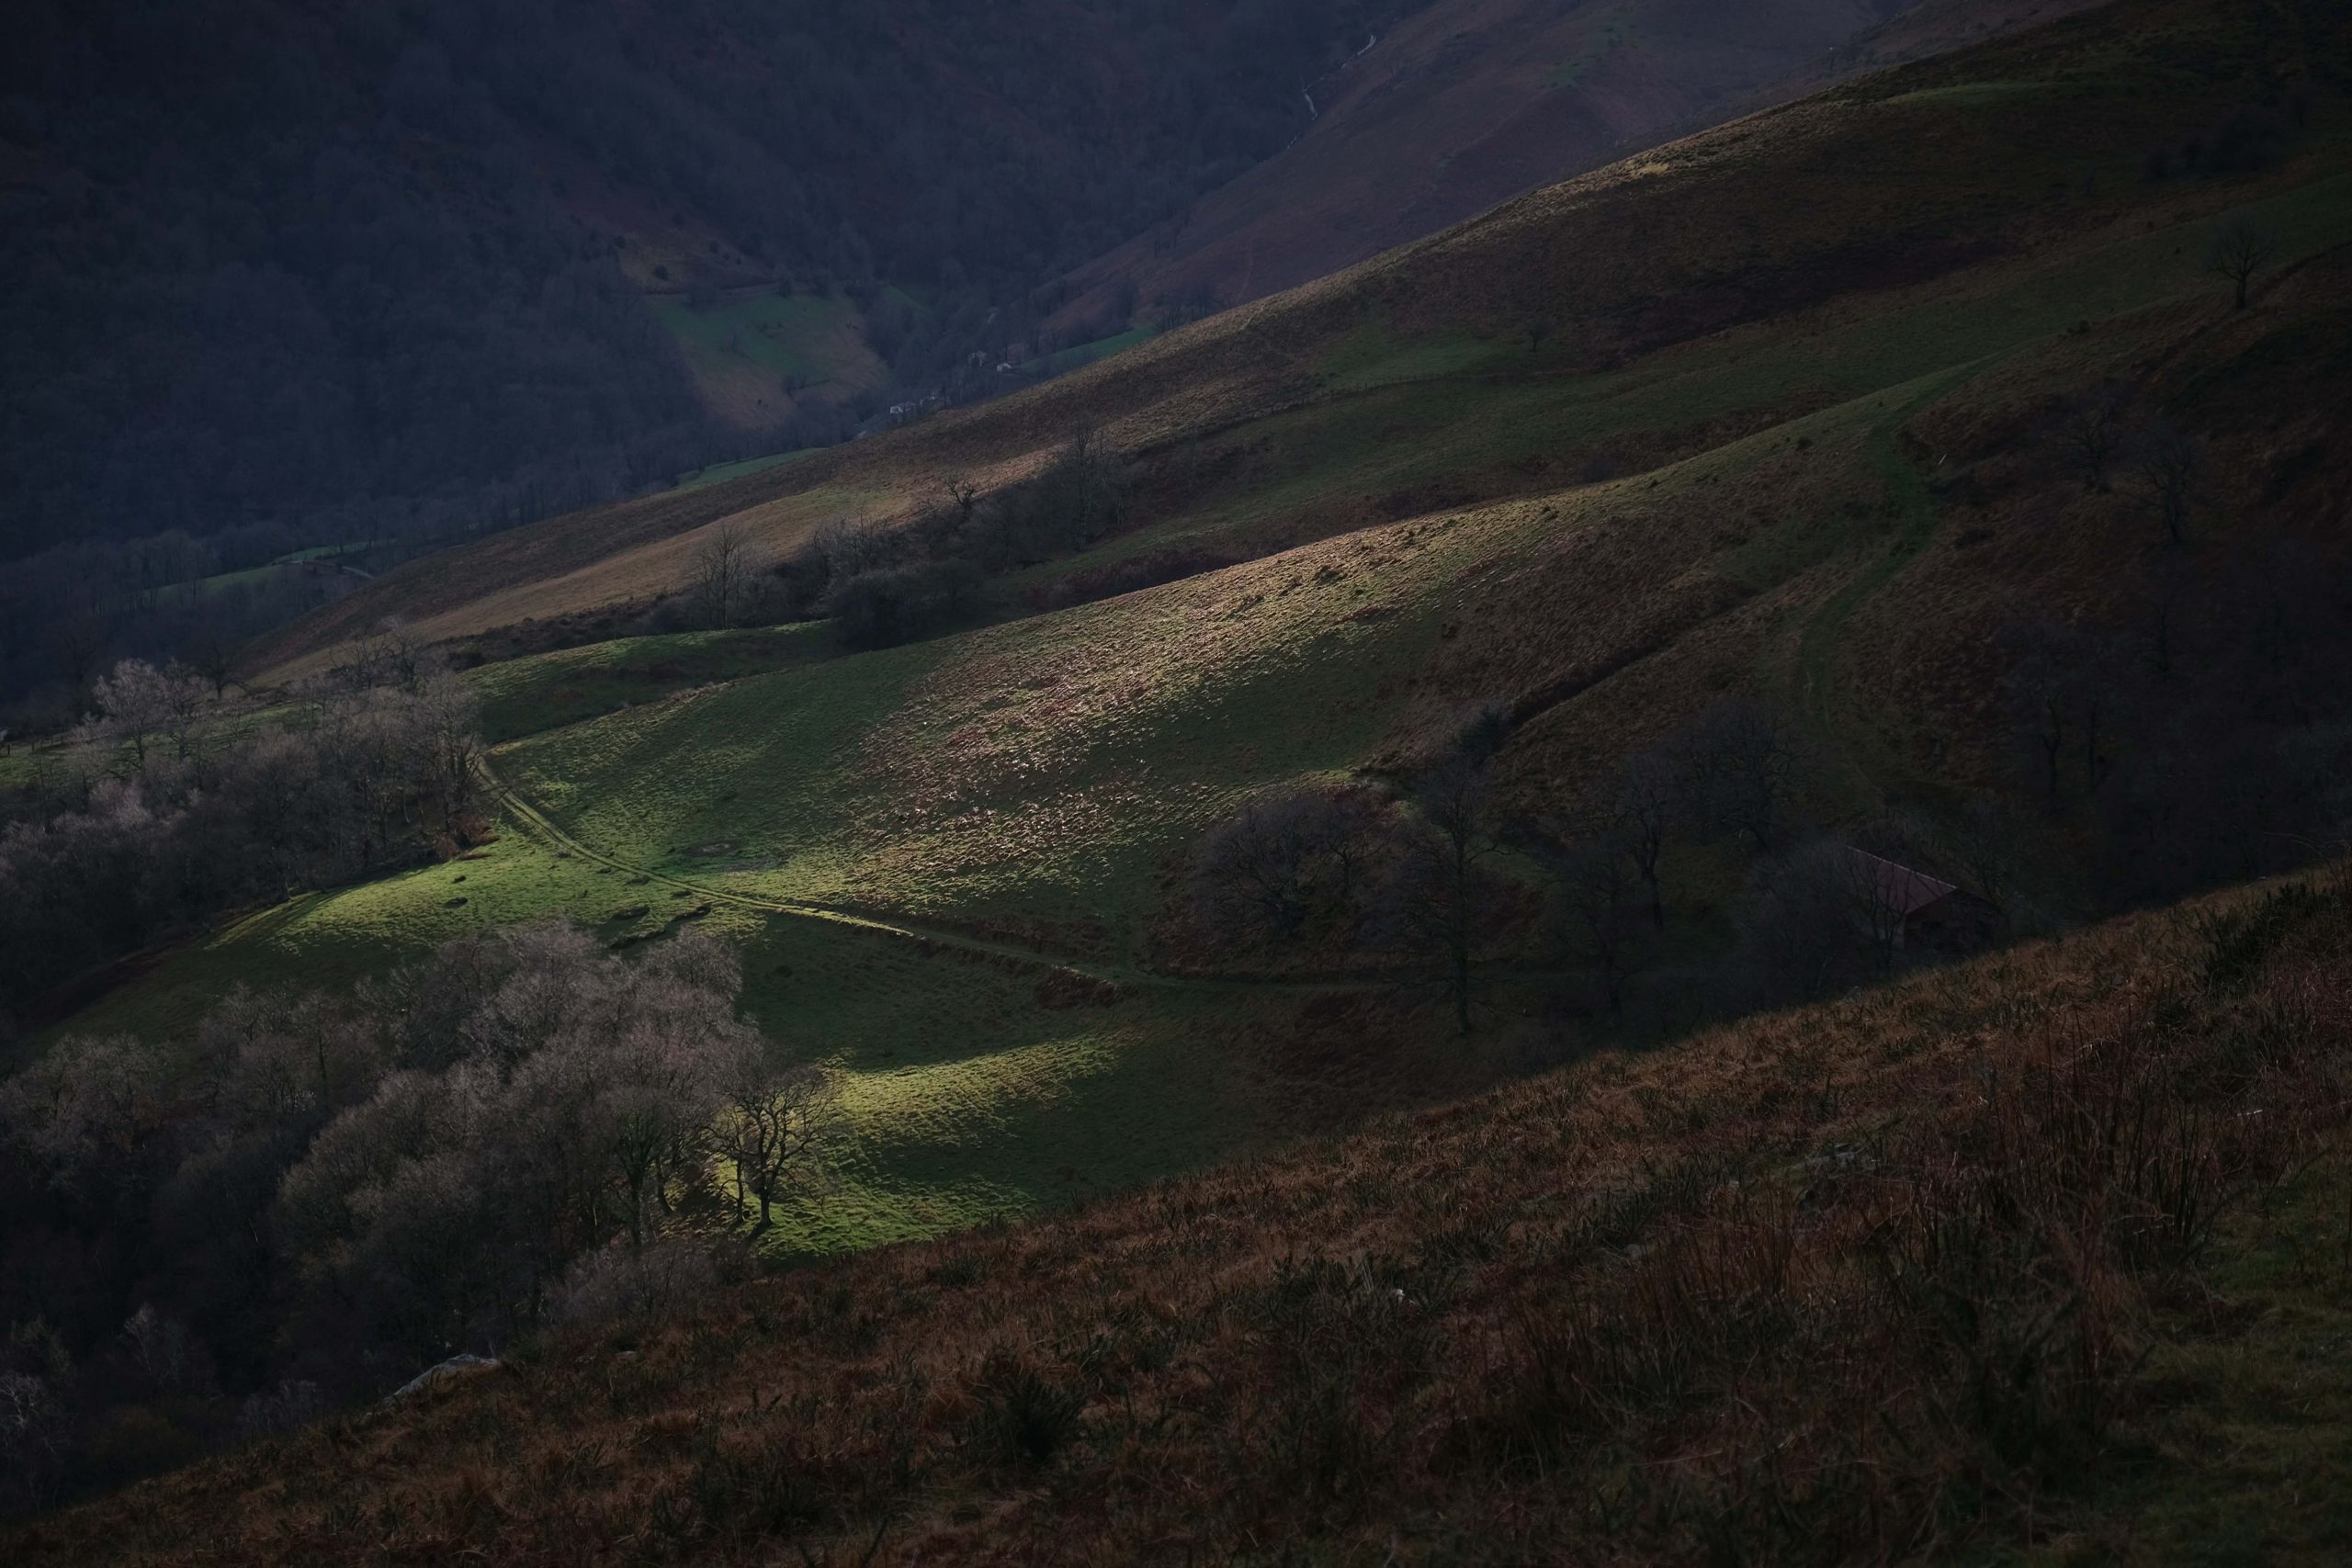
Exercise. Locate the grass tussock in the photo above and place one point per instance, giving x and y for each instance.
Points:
(1909, 1274)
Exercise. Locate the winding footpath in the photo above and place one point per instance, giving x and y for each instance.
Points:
(1915, 510)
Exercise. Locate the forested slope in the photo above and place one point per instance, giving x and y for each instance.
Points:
(215, 204)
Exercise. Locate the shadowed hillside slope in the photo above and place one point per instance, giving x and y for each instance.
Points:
(208, 330)
(1462, 106)
(1408, 384)
(1980, 1263)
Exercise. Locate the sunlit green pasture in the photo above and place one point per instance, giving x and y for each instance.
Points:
(1027, 774)
(720, 472)
(969, 1089)
(545, 691)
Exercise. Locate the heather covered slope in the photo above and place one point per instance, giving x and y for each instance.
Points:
(2024, 1260)
(1705, 290)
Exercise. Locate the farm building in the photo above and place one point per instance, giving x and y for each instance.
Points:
(1921, 913)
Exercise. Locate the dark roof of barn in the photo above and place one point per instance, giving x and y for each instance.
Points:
(1898, 887)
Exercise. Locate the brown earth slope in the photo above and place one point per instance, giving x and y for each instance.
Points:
(1472, 103)
(1979, 1262)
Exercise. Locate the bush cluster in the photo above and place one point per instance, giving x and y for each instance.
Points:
(308, 1199)
(162, 815)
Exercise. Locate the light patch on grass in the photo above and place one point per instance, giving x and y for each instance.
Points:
(1036, 772)
(751, 351)
(546, 691)
(718, 473)
(1970, 92)
(1084, 354)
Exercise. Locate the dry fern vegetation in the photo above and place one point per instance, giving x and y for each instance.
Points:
(2038, 1257)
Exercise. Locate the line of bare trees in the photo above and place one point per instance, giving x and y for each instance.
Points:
(887, 585)
(310, 1197)
(1406, 874)
(169, 809)
(1429, 876)
(882, 585)
(2209, 742)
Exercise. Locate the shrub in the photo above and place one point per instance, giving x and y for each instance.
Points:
(1291, 861)
(835, 552)
(661, 1279)
(902, 604)
(1024, 1417)
(1134, 573)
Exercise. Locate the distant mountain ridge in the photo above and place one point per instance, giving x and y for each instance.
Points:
(1469, 103)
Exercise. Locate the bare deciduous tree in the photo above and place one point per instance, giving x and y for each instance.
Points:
(1286, 859)
(572, 1110)
(34, 1434)
(2239, 250)
(392, 657)
(2091, 424)
(87, 1110)
(212, 653)
(2167, 463)
(765, 1130)
(1595, 883)
(448, 722)
(1813, 922)
(1740, 758)
(1439, 892)
(965, 497)
(2063, 697)
(139, 703)
(722, 573)
(1653, 800)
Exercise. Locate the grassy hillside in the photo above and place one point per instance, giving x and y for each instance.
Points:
(1807, 461)
(755, 354)
(1729, 283)
(2022, 1261)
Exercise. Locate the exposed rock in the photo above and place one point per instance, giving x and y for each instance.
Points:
(433, 1377)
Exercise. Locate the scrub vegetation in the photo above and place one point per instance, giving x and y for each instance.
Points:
(1980, 1263)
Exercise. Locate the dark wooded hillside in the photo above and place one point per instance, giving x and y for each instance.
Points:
(364, 268)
